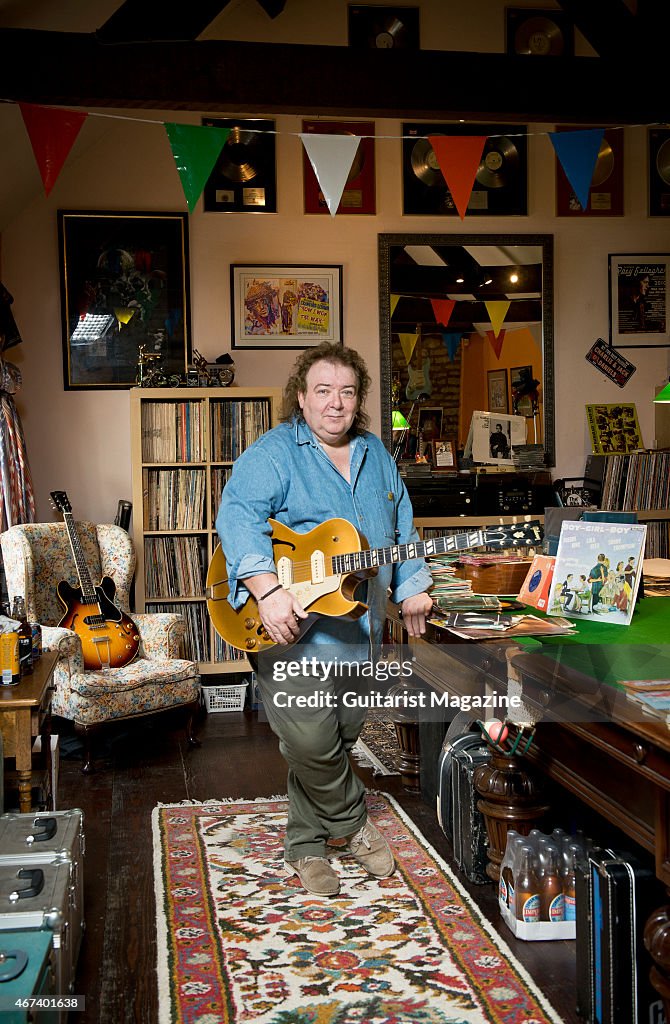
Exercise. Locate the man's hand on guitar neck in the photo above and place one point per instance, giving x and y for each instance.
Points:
(279, 611)
(414, 610)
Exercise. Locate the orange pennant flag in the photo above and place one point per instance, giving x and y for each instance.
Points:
(442, 310)
(52, 135)
(459, 156)
(496, 341)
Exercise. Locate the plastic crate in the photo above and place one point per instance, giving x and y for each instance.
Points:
(225, 698)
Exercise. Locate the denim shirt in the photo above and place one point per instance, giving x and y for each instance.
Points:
(286, 475)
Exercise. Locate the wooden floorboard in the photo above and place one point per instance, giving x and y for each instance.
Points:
(150, 763)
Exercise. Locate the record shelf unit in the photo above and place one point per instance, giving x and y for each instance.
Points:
(184, 442)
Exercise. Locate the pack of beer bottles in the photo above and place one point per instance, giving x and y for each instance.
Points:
(536, 890)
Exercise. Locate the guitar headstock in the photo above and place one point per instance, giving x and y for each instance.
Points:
(516, 535)
(61, 502)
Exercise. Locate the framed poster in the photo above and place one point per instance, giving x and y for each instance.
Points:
(124, 283)
(639, 294)
(285, 306)
(444, 455)
(496, 381)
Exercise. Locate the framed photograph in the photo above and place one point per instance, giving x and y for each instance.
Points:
(444, 455)
(497, 389)
(285, 306)
(639, 300)
(124, 284)
(430, 422)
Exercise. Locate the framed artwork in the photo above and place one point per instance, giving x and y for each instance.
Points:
(606, 188)
(497, 391)
(285, 306)
(124, 284)
(659, 172)
(358, 195)
(444, 456)
(430, 422)
(639, 300)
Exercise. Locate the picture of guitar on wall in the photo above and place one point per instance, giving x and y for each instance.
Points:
(418, 369)
(109, 637)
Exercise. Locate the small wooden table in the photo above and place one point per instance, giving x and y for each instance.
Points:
(25, 712)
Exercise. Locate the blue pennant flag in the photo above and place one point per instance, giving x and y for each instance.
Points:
(452, 340)
(578, 154)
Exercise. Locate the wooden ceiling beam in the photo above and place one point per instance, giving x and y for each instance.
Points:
(137, 20)
(241, 77)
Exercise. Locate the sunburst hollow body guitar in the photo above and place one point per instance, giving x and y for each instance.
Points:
(109, 637)
(323, 567)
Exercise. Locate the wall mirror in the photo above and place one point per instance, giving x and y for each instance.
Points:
(466, 323)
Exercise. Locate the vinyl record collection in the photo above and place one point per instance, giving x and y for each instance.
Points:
(174, 499)
(174, 565)
(235, 425)
(172, 432)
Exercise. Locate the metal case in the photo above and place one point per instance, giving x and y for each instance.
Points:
(52, 842)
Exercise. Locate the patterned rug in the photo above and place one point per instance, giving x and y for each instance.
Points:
(240, 942)
(377, 746)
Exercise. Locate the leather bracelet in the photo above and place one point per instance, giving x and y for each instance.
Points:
(272, 590)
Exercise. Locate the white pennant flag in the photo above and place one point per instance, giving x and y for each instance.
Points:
(331, 157)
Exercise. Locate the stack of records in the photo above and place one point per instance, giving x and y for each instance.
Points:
(528, 456)
(447, 587)
(656, 573)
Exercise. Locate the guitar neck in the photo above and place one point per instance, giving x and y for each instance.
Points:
(87, 589)
(404, 552)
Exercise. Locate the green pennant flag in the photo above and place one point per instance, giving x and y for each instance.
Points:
(195, 150)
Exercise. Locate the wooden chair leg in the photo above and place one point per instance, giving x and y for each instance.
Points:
(87, 733)
(192, 710)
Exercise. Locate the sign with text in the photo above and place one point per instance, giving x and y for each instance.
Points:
(610, 362)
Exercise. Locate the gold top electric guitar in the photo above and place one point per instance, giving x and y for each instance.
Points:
(323, 567)
(109, 638)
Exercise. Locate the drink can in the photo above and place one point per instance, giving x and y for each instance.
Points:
(9, 658)
(36, 630)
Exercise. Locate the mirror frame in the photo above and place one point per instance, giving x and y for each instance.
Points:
(545, 242)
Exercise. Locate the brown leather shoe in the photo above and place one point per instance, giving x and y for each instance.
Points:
(372, 851)
(316, 875)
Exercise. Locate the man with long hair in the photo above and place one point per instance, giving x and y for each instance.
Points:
(321, 462)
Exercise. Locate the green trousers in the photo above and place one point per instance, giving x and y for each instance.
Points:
(326, 798)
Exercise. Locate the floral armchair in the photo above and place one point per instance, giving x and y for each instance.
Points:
(36, 557)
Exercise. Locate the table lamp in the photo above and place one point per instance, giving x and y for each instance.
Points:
(400, 424)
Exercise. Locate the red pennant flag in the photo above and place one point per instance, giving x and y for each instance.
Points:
(459, 156)
(442, 310)
(496, 341)
(52, 134)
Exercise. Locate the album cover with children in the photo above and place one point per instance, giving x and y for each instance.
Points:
(597, 571)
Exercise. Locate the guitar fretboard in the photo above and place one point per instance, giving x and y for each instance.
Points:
(87, 589)
(420, 549)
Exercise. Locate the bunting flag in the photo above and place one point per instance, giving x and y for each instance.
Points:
(195, 150)
(395, 299)
(408, 344)
(124, 314)
(496, 341)
(442, 310)
(459, 156)
(52, 134)
(451, 341)
(578, 153)
(331, 157)
(497, 311)
(536, 334)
